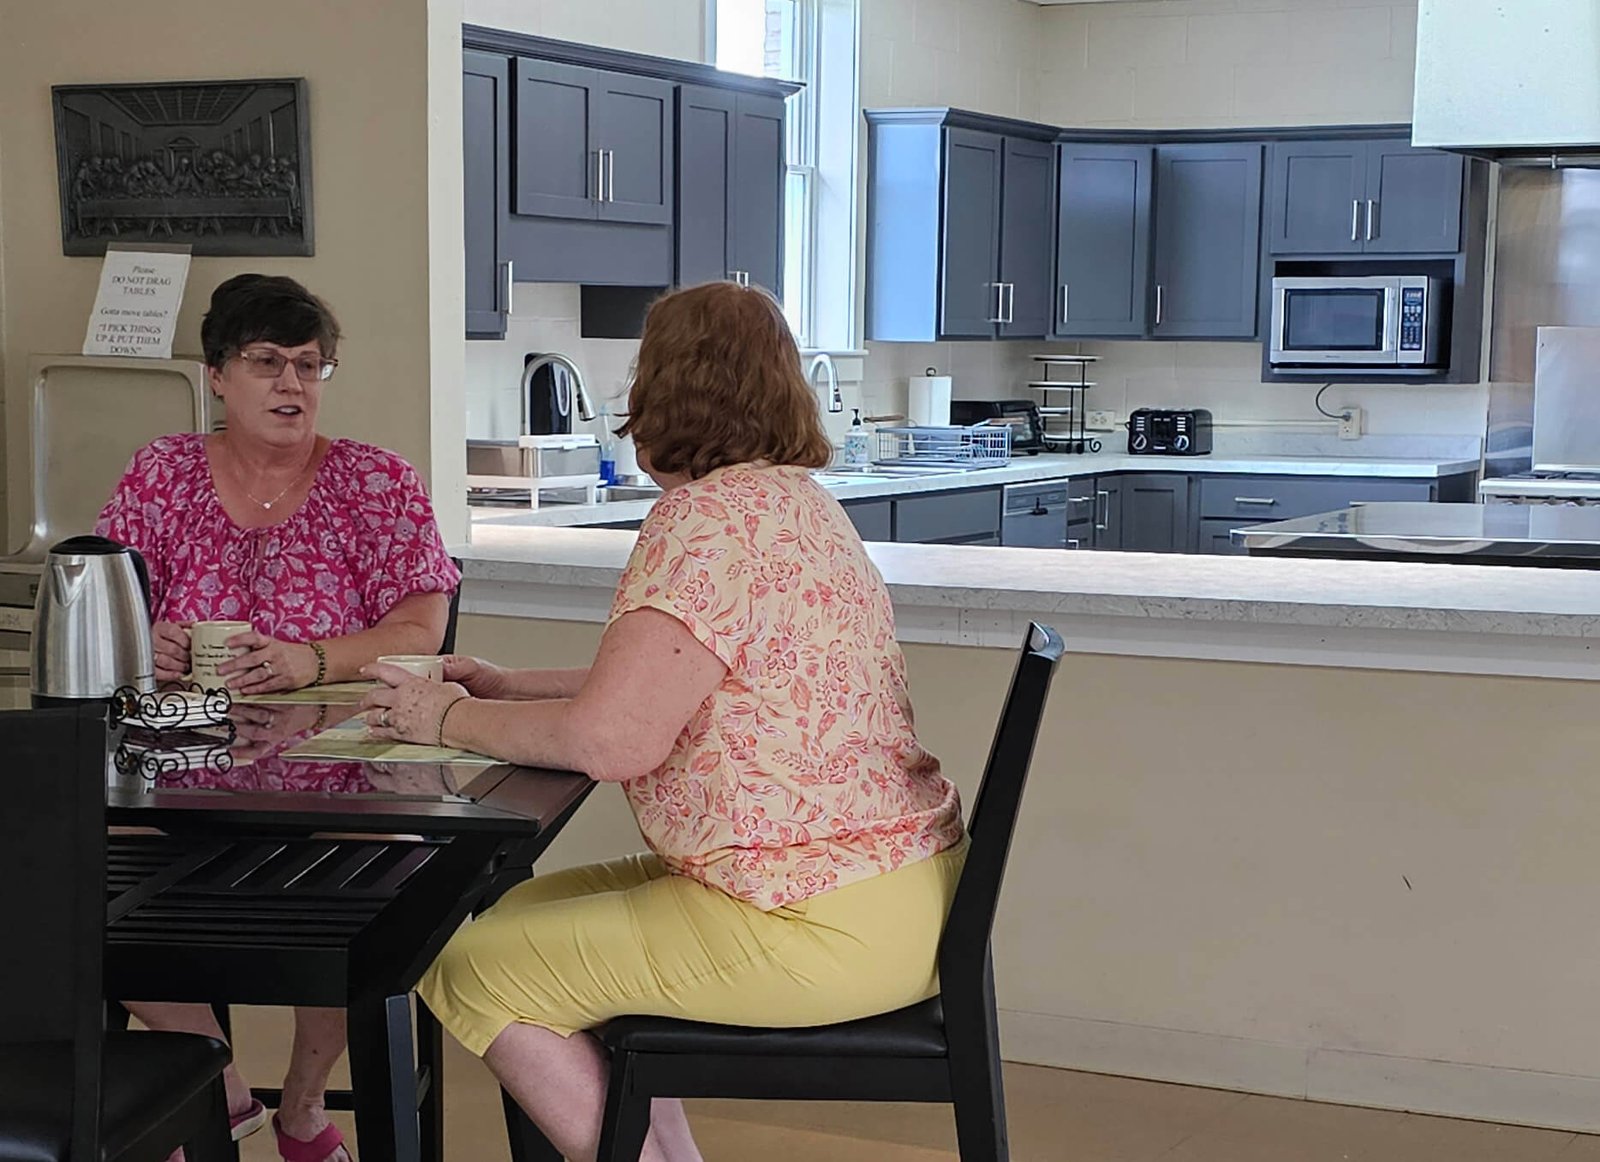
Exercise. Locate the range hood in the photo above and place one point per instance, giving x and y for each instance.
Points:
(1517, 81)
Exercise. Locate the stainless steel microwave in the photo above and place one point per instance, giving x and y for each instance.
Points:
(1376, 321)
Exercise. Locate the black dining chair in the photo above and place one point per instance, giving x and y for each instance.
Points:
(68, 1088)
(946, 1049)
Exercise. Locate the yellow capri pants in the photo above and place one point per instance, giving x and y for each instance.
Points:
(573, 949)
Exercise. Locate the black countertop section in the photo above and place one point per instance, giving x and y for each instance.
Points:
(1532, 534)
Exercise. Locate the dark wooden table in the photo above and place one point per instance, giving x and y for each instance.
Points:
(281, 882)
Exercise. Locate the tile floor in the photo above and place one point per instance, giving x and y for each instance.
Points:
(1054, 1114)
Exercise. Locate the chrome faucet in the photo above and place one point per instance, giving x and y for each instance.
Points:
(825, 361)
(580, 394)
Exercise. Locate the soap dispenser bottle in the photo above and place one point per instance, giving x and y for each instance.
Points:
(857, 443)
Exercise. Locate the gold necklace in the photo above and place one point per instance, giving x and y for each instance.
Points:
(267, 504)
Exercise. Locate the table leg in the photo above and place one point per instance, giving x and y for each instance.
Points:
(383, 1077)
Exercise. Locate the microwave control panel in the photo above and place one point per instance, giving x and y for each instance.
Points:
(1413, 304)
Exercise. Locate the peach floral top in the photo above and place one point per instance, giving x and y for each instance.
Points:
(802, 772)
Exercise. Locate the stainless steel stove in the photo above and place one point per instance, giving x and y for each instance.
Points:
(1542, 487)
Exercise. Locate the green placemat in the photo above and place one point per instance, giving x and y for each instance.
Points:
(333, 694)
(349, 742)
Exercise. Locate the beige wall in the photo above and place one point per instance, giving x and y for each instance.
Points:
(1363, 886)
(367, 64)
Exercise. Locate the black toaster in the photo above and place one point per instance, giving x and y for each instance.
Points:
(1027, 428)
(1162, 432)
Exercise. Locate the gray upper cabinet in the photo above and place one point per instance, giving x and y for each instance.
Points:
(557, 164)
(1027, 206)
(1102, 240)
(970, 302)
(1317, 194)
(592, 144)
(1414, 200)
(706, 131)
(1364, 197)
(485, 108)
(730, 187)
(760, 172)
(959, 224)
(1207, 241)
(633, 135)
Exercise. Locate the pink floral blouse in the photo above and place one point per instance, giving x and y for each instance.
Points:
(802, 772)
(363, 540)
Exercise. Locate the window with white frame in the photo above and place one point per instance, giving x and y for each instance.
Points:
(780, 38)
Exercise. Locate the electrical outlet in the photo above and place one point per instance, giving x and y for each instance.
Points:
(1350, 424)
(1102, 421)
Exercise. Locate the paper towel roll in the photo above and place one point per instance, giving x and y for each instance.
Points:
(929, 401)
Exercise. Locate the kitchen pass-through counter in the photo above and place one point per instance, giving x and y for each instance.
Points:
(1022, 470)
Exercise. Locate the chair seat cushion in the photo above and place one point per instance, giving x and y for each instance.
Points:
(146, 1077)
(915, 1031)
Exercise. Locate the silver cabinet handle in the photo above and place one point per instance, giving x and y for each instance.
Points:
(599, 175)
(1066, 301)
(1355, 220)
(1266, 500)
(1084, 499)
(510, 281)
(1372, 208)
(1160, 301)
(1074, 543)
(611, 175)
(999, 289)
(1104, 522)
(1011, 302)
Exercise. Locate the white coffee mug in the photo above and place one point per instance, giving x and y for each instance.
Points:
(429, 666)
(208, 649)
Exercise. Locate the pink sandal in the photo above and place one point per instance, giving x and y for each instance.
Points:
(241, 1126)
(318, 1149)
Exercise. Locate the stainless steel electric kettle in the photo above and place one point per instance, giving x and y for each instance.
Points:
(91, 623)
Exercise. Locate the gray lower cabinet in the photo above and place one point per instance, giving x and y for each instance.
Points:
(1155, 512)
(949, 518)
(874, 519)
(1216, 538)
(1102, 270)
(1364, 197)
(485, 130)
(1207, 241)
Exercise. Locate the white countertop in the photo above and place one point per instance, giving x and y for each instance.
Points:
(1022, 470)
(1365, 614)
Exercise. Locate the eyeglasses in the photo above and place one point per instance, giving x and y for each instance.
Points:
(270, 364)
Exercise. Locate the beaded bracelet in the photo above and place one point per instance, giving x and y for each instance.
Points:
(322, 663)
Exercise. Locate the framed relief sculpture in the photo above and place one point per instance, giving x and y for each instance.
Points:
(222, 165)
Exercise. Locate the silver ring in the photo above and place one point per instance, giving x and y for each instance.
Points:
(383, 719)
(267, 666)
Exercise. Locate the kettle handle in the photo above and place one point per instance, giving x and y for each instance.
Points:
(143, 571)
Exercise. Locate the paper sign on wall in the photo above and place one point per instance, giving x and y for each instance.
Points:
(136, 310)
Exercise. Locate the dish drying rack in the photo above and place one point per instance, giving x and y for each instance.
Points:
(977, 446)
(1064, 402)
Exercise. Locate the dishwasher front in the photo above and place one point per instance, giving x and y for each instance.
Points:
(1035, 516)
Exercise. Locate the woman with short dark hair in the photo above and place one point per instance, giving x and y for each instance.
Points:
(750, 696)
(328, 548)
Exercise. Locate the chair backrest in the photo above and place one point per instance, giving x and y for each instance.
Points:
(964, 947)
(448, 646)
(53, 892)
